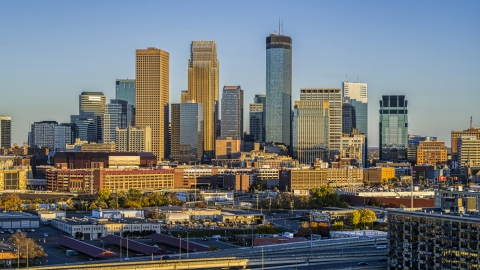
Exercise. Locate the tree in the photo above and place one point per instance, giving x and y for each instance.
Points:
(266, 228)
(33, 206)
(10, 202)
(337, 225)
(103, 195)
(384, 181)
(200, 205)
(102, 205)
(325, 196)
(92, 206)
(362, 216)
(151, 214)
(132, 204)
(134, 195)
(355, 219)
(113, 203)
(21, 242)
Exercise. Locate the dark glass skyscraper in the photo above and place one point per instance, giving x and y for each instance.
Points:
(125, 90)
(348, 117)
(187, 132)
(393, 128)
(5, 131)
(279, 88)
(232, 112)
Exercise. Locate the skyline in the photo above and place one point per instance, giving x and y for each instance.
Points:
(426, 51)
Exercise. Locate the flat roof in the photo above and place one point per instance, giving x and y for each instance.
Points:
(90, 250)
(138, 247)
(178, 242)
(437, 213)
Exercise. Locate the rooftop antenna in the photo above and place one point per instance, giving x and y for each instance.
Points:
(357, 79)
(346, 76)
(470, 122)
(282, 28)
(279, 25)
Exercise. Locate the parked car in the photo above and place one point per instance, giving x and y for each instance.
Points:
(381, 246)
(382, 260)
(362, 263)
(165, 257)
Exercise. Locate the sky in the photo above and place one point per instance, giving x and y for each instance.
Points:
(429, 51)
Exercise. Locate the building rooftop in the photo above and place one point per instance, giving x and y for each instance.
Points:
(437, 213)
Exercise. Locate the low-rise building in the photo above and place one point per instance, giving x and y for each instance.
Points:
(18, 220)
(91, 228)
(314, 178)
(375, 175)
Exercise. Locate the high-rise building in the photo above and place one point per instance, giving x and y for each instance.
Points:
(133, 139)
(348, 117)
(93, 103)
(310, 130)
(257, 121)
(62, 137)
(187, 132)
(413, 141)
(334, 98)
(393, 128)
(232, 112)
(184, 96)
(203, 77)
(353, 145)
(357, 94)
(42, 134)
(5, 131)
(152, 96)
(125, 90)
(468, 151)
(279, 88)
(84, 127)
(472, 131)
(431, 153)
(116, 115)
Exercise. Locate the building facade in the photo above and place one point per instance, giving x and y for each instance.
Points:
(5, 131)
(473, 131)
(310, 130)
(187, 132)
(203, 78)
(357, 94)
(257, 122)
(334, 98)
(116, 115)
(279, 88)
(152, 96)
(42, 134)
(469, 151)
(62, 136)
(85, 127)
(432, 240)
(292, 180)
(393, 128)
(125, 90)
(349, 121)
(232, 112)
(134, 139)
(432, 153)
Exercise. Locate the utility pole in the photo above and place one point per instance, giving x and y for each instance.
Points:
(257, 201)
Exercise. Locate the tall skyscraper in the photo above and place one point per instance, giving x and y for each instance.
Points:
(203, 76)
(357, 94)
(310, 130)
(93, 103)
(232, 112)
(279, 88)
(262, 99)
(5, 131)
(393, 128)
(116, 114)
(125, 90)
(187, 132)
(348, 117)
(152, 96)
(334, 98)
(257, 121)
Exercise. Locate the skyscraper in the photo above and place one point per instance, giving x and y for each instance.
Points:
(393, 128)
(203, 76)
(84, 127)
(125, 90)
(257, 121)
(187, 132)
(279, 88)
(116, 115)
(152, 96)
(334, 98)
(232, 112)
(5, 131)
(62, 136)
(310, 130)
(348, 117)
(42, 134)
(262, 99)
(357, 94)
(93, 103)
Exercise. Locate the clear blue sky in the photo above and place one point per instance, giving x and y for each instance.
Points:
(429, 51)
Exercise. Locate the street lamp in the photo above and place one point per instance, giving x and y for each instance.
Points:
(187, 244)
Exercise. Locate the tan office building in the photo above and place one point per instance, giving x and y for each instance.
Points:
(456, 134)
(152, 96)
(375, 175)
(203, 88)
(431, 153)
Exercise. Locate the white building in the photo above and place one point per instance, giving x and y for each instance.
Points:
(134, 139)
(120, 213)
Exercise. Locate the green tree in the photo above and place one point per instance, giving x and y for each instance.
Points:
(103, 195)
(134, 195)
(10, 202)
(20, 241)
(355, 219)
(266, 228)
(337, 226)
(363, 217)
(132, 204)
(102, 205)
(324, 196)
(113, 204)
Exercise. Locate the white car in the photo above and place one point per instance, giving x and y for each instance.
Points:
(381, 246)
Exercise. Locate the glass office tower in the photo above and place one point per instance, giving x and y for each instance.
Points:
(5, 131)
(187, 132)
(393, 128)
(279, 88)
(232, 112)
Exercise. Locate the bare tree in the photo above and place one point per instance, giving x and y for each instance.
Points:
(21, 242)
